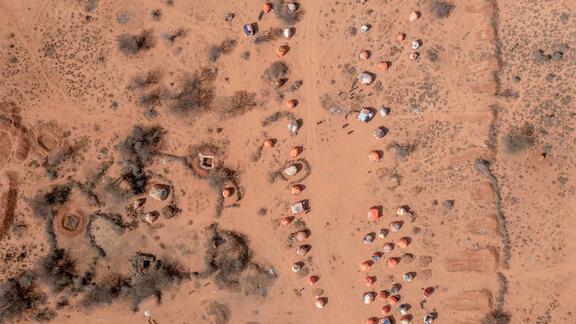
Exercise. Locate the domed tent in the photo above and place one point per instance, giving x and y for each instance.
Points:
(291, 103)
(388, 247)
(365, 115)
(294, 151)
(383, 295)
(295, 189)
(373, 214)
(368, 298)
(403, 242)
(366, 265)
(301, 235)
(312, 280)
(282, 50)
(393, 300)
(298, 208)
(365, 78)
(392, 262)
(302, 250)
(386, 309)
(374, 156)
(369, 281)
(320, 302)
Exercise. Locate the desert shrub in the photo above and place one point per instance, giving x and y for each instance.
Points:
(44, 315)
(156, 14)
(145, 80)
(237, 104)
(432, 55)
(136, 152)
(269, 35)
(104, 293)
(150, 99)
(288, 18)
(18, 295)
(220, 312)
(496, 316)
(195, 94)
(276, 72)
(158, 276)
(401, 151)
(519, 139)
(214, 53)
(295, 85)
(58, 270)
(227, 256)
(502, 289)
(441, 9)
(277, 116)
(130, 44)
(44, 205)
(228, 45)
(112, 188)
(258, 280)
(538, 56)
(174, 35)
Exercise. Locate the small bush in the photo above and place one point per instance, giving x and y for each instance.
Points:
(228, 45)
(58, 269)
(44, 315)
(237, 104)
(104, 293)
(151, 99)
(441, 9)
(432, 55)
(288, 18)
(156, 14)
(276, 72)
(133, 44)
(195, 95)
(174, 35)
(18, 295)
(277, 116)
(496, 316)
(45, 205)
(227, 256)
(519, 139)
(270, 35)
(220, 312)
(143, 81)
(136, 152)
(214, 53)
(295, 85)
(401, 151)
(159, 276)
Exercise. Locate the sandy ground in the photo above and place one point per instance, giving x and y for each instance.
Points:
(489, 228)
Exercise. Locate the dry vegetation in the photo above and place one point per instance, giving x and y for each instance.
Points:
(130, 44)
(276, 73)
(19, 295)
(228, 259)
(194, 95)
(216, 51)
(239, 103)
(441, 9)
(519, 139)
(137, 151)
